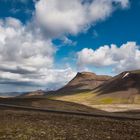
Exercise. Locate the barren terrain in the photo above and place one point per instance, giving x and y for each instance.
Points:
(31, 125)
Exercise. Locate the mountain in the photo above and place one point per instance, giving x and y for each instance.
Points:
(83, 81)
(90, 89)
(123, 88)
(37, 93)
(126, 81)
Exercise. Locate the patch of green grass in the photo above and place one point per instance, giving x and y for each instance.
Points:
(106, 101)
(78, 98)
(90, 99)
(111, 100)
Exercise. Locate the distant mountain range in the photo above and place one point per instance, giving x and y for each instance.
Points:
(10, 94)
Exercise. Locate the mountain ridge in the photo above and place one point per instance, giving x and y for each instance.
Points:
(89, 88)
(83, 81)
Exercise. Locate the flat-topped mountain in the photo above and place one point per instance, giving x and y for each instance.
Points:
(84, 81)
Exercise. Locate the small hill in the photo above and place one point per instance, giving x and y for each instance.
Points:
(84, 81)
(37, 93)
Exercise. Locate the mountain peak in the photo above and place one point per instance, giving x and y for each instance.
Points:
(84, 81)
(85, 74)
(125, 81)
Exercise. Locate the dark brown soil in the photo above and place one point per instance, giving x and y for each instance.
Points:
(30, 125)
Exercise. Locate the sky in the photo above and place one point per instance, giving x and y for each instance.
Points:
(44, 43)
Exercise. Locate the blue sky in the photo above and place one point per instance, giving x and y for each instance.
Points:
(98, 35)
(121, 27)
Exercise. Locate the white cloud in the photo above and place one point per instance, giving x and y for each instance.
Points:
(57, 18)
(125, 57)
(58, 77)
(27, 58)
(68, 42)
(99, 57)
(17, 45)
(20, 49)
(124, 3)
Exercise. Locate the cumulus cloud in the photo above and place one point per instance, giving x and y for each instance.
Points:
(68, 42)
(28, 59)
(20, 46)
(21, 52)
(57, 18)
(56, 78)
(125, 57)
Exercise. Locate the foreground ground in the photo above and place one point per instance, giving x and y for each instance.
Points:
(31, 125)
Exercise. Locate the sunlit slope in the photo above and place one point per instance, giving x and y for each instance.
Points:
(83, 82)
(121, 89)
(90, 98)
